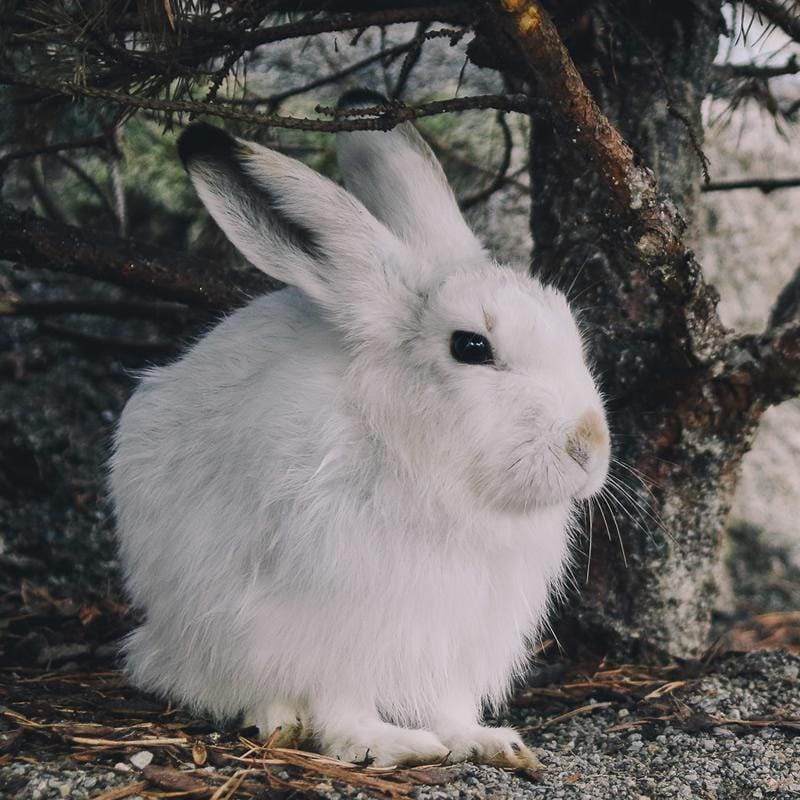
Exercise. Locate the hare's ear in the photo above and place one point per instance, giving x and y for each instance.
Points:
(291, 222)
(398, 178)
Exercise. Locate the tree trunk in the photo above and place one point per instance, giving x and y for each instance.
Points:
(680, 422)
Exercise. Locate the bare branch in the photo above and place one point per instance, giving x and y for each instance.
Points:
(274, 100)
(453, 14)
(13, 306)
(37, 242)
(765, 185)
(771, 360)
(787, 306)
(759, 71)
(410, 61)
(57, 147)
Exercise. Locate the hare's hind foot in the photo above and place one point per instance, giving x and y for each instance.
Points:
(373, 742)
(281, 725)
(498, 747)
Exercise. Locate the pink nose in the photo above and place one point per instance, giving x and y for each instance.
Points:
(590, 436)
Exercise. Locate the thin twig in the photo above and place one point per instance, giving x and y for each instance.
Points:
(500, 178)
(57, 147)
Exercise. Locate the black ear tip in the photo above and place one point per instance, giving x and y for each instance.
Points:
(353, 98)
(201, 140)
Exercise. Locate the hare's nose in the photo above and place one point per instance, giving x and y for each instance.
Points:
(588, 437)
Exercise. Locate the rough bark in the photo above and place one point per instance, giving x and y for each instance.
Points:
(683, 396)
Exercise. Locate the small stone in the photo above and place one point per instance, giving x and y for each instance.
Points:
(141, 759)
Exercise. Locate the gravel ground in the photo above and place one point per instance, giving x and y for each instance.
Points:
(709, 749)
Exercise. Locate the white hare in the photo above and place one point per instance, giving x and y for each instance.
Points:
(347, 506)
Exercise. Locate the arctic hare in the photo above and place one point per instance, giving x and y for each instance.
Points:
(347, 506)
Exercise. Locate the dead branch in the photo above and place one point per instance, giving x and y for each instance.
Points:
(410, 61)
(760, 71)
(58, 147)
(765, 185)
(381, 118)
(452, 14)
(41, 243)
(774, 355)
(12, 306)
(274, 100)
(787, 307)
(784, 15)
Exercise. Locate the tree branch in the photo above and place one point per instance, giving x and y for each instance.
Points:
(380, 118)
(274, 100)
(58, 147)
(771, 360)
(13, 306)
(579, 119)
(781, 14)
(40, 243)
(760, 71)
(766, 185)
(787, 307)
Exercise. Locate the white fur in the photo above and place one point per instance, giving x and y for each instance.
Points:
(325, 518)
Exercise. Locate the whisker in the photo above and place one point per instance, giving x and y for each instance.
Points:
(605, 521)
(575, 277)
(638, 504)
(589, 508)
(602, 497)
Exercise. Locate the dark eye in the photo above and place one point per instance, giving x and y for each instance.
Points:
(471, 348)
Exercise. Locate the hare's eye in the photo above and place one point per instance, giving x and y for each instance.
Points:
(471, 348)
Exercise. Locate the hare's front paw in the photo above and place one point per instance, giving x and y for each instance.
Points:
(500, 747)
(385, 745)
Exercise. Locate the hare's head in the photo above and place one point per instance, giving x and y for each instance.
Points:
(457, 363)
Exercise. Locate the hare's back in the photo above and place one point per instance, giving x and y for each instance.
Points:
(250, 401)
(263, 362)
